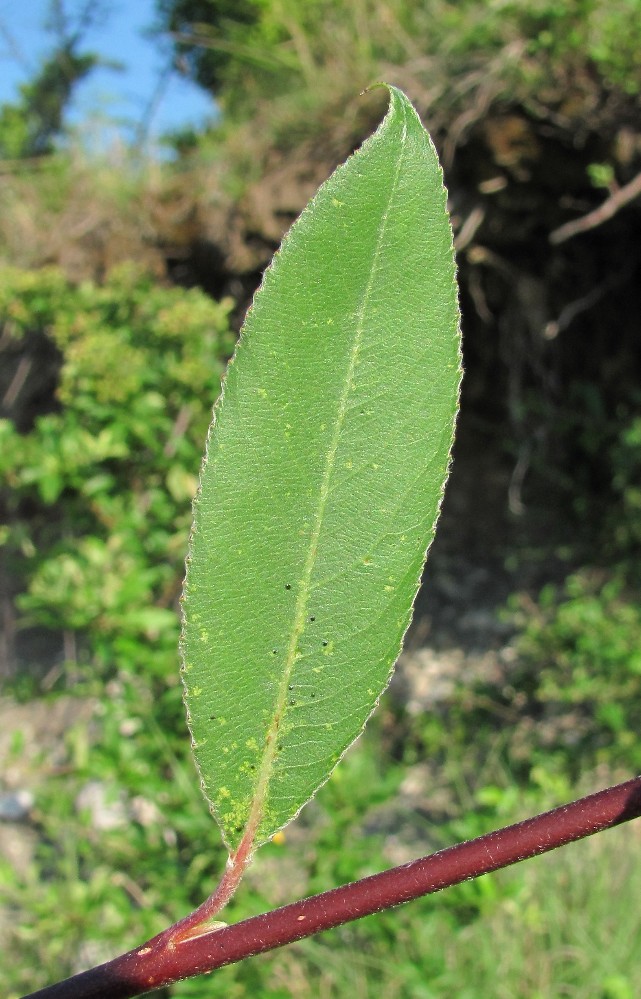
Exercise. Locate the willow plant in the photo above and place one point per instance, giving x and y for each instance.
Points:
(320, 489)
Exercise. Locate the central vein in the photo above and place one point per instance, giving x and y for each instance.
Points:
(302, 599)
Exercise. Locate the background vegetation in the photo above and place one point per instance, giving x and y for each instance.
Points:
(120, 291)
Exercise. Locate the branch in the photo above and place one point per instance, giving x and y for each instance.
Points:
(156, 964)
(600, 215)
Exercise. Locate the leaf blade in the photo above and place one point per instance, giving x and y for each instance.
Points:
(322, 482)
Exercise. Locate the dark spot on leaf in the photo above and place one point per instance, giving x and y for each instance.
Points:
(313, 693)
(292, 701)
(239, 829)
(325, 643)
(212, 717)
(274, 652)
(312, 618)
(288, 586)
(291, 686)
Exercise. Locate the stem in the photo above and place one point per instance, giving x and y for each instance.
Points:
(193, 925)
(156, 964)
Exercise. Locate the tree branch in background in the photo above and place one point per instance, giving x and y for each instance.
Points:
(600, 215)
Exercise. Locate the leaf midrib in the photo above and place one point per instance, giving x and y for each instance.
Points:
(304, 591)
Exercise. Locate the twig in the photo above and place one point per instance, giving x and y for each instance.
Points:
(600, 215)
(17, 382)
(155, 964)
(574, 308)
(178, 431)
(470, 227)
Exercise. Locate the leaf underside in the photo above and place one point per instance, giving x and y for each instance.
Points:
(322, 482)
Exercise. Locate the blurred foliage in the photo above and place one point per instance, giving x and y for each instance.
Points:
(221, 28)
(96, 496)
(242, 51)
(581, 646)
(625, 516)
(567, 699)
(29, 126)
(610, 505)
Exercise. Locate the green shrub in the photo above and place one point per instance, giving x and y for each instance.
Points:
(581, 649)
(97, 504)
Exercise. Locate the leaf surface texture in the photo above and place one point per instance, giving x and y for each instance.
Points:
(322, 482)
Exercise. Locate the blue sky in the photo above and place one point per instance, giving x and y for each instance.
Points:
(109, 103)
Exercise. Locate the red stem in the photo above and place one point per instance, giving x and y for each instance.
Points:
(154, 964)
(193, 924)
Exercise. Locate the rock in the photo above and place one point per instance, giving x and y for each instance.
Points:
(106, 808)
(15, 806)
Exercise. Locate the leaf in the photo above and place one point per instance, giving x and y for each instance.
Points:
(322, 482)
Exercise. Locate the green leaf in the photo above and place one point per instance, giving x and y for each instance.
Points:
(322, 482)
